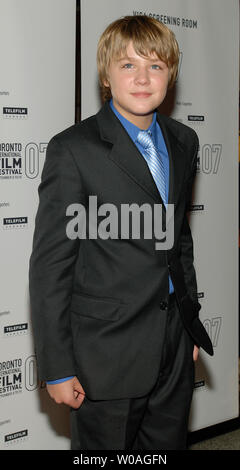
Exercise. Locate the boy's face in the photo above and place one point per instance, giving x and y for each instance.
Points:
(138, 86)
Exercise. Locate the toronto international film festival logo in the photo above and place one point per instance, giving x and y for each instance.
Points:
(157, 222)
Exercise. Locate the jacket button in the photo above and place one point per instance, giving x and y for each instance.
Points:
(163, 305)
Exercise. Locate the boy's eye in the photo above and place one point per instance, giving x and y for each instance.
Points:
(156, 67)
(127, 66)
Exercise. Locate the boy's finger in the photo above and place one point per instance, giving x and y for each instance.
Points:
(77, 401)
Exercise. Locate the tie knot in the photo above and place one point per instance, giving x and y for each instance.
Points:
(144, 138)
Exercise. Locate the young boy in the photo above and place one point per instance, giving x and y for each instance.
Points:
(115, 319)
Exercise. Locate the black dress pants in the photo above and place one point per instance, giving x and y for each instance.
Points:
(156, 421)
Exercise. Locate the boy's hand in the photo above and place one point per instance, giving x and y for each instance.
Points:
(69, 392)
(195, 353)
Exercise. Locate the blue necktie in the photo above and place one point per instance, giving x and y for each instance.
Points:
(156, 167)
(154, 162)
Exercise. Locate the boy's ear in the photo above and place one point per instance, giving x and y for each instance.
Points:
(106, 83)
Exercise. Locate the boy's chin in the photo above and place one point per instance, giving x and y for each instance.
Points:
(146, 110)
(144, 113)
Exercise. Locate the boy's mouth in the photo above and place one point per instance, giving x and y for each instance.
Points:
(141, 94)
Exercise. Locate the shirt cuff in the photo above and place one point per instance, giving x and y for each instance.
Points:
(52, 382)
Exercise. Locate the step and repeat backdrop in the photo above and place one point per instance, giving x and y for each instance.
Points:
(37, 100)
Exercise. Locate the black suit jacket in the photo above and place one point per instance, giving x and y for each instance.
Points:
(99, 306)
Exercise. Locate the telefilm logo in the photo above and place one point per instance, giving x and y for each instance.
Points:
(16, 437)
(196, 119)
(17, 160)
(15, 222)
(15, 113)
(15, 330)
(196, 208)
(199, 383)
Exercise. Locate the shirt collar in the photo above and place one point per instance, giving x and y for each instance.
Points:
(131, 128)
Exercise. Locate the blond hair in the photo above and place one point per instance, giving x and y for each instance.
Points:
(148, 36)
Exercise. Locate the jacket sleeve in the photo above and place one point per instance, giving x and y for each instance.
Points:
(52, 262)
(186, 241)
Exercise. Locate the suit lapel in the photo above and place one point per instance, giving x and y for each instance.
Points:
(177, 160)
(125, 154)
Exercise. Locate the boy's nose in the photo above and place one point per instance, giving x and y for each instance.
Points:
(142, 76)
